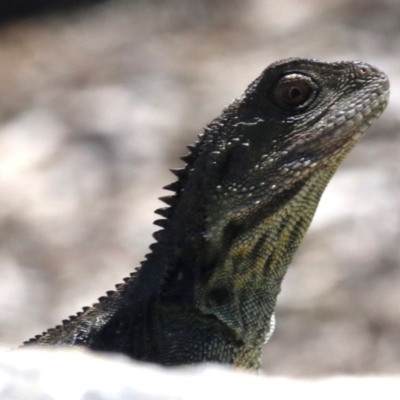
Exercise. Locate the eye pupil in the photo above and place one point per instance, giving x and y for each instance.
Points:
(294, 91)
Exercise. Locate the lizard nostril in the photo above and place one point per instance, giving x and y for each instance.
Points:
(365, 71)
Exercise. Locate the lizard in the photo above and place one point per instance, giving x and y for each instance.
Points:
(239, 210)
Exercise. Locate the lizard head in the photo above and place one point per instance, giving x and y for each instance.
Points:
(300, 116)
(295, 123)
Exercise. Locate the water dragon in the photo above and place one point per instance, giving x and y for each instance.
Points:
(239, 209)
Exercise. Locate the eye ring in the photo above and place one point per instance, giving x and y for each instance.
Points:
(294, 91)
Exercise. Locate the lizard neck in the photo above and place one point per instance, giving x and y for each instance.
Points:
(242, 289)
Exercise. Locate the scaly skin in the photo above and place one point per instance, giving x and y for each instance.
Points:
(208, 289)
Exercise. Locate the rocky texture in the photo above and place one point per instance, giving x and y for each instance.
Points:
(79, 96)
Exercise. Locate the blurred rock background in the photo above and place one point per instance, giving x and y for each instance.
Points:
(99, 98)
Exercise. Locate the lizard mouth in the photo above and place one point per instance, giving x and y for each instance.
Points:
(352, 124)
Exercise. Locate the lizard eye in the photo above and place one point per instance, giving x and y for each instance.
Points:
(294, 91)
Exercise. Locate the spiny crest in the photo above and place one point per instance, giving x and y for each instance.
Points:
(161, 222)
(176, 187)
(164, 212)
(173, 187)
(37, 337)
(73, 318)
(178, 172)
(169, 200)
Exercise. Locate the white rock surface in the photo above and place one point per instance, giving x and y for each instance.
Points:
(37, 374)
